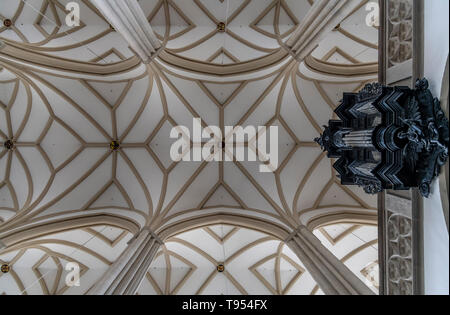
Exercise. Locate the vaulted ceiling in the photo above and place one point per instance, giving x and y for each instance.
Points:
(38, 266)
(255, 263)
(67, 93)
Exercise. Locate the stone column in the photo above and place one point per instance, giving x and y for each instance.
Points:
(321, 19)
(332, 276)
(127, 18)
(127, 272)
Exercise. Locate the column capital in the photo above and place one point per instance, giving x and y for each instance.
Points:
(289, 51)
(154, 235)
(149, 231)
(294, 233)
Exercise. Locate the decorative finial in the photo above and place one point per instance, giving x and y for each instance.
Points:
(320, 142)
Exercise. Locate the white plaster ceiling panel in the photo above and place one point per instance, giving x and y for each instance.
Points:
(148, 170)
(319, 179)
(298, 168)
(296, 115)
(247, 192)
(198, 190)
(196, 97)
(241, 103)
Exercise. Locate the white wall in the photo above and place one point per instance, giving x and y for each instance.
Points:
(436, 237)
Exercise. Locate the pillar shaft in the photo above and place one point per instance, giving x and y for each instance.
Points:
(332, 276)
(321, 19)
(127, 18)
(127, 272)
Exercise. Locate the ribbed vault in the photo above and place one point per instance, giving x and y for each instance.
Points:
(255, 263)
(89, 124)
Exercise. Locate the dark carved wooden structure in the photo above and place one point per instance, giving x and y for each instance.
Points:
(388, 138)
